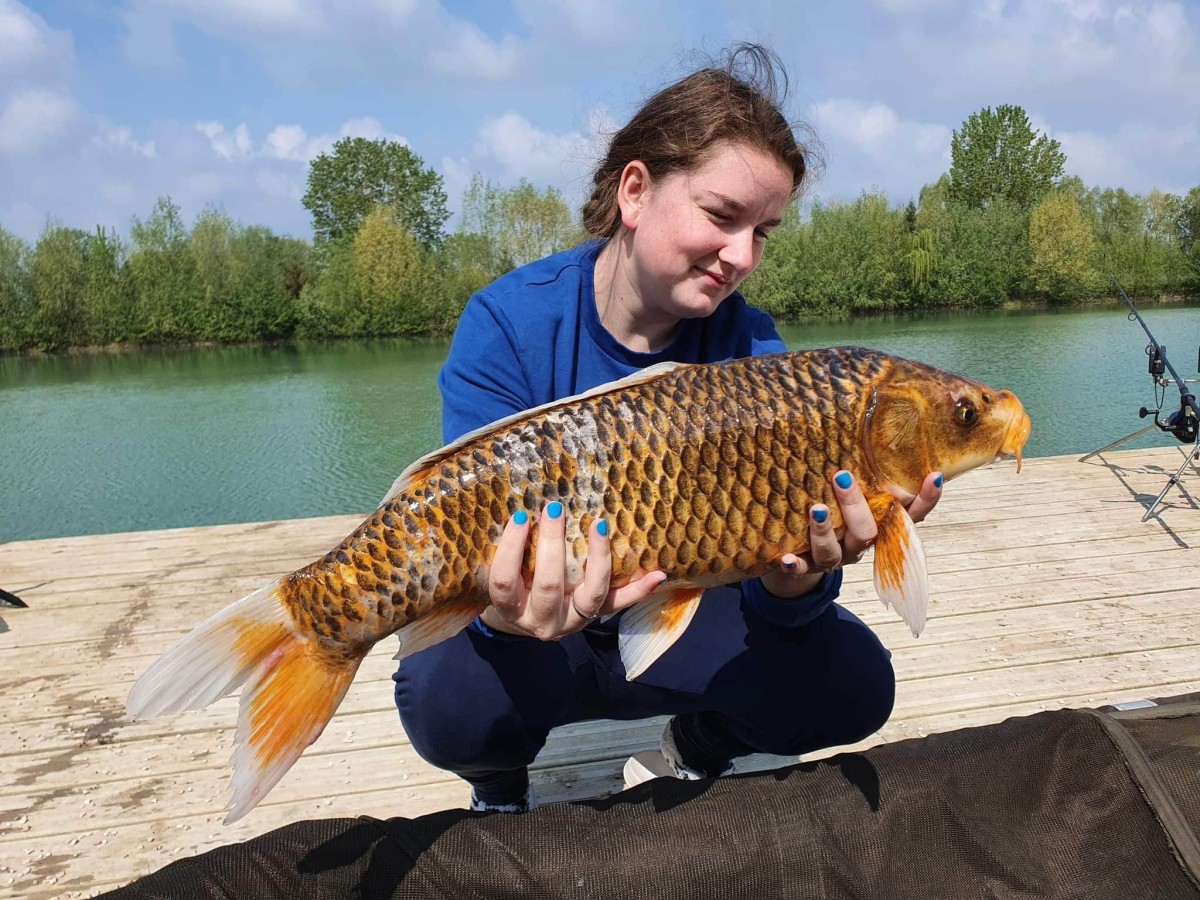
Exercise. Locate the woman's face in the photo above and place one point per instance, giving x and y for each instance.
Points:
(696, 235)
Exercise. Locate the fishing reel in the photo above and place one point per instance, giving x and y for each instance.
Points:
(1182, 423)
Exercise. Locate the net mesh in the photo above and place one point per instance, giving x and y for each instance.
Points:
(1042, 806)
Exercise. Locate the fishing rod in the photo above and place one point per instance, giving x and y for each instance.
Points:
(1182, 423)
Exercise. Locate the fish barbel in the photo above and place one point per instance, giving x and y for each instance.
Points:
(706, 472)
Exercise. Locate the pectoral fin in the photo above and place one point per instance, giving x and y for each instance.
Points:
(649, 628)
(901, 575)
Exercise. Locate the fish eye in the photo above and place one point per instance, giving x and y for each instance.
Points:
(965, 412)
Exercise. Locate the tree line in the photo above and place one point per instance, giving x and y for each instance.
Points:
(1003, 225)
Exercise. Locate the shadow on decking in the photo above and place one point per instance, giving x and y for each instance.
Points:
(1174, 481)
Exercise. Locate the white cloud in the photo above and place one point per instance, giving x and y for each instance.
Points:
(456, 175)
(625, 26)
(98, 173)
(280, 185)
(235, 144)
(594, 20)
(1137, 157)
(289, 142)
(34, 119)
(300, 41)
(231, 17)
(123, 138)
(869, 144)
(22, 35)
(1096, 74)
(472, 54)
(31, 52)
(908, 7)
(525, 151)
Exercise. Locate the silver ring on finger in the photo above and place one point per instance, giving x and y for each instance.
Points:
(587, 620)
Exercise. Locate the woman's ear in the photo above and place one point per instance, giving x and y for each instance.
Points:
(631, 192)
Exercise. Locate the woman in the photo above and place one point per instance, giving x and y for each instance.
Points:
(682, 207)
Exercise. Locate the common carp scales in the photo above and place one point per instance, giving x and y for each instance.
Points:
(706, 472)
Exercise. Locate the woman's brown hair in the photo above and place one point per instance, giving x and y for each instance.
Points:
(676, 129)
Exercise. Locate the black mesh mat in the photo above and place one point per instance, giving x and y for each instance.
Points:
(1073, 803)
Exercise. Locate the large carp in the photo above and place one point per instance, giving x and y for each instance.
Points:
(706, 472)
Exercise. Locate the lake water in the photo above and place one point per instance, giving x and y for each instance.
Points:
(106, 443)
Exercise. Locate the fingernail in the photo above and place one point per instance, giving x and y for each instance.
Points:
(602, 528)
(554, 509)
(937, 482)
(844, 480)
(789, 565)
(520, 517)
(820, 515)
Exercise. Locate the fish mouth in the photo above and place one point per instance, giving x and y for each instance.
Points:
(1018, 429)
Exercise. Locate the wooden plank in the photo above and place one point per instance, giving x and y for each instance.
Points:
(118, 624)
(147, 613)
(957, 616)
(1048, 591)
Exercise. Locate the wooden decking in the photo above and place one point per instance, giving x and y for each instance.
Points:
(1048, 591)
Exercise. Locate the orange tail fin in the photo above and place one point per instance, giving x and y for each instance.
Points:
(290, 690)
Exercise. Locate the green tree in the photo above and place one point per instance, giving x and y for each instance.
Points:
(16, 303)
(462, 269)
(521, 224)
(779, 284)
(847, 257)
(997, 156)
(922, 259)
(209, 242)
(108, 305)
(1187, 232)
(388, 275)
(982, 255)
(329, 302)
(1060, 243)
(360, 175)
(1137, 240)
(1187, 223)
(57, 273)
(270, 271)
(164, 282)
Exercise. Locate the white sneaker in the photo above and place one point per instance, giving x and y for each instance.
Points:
(661, 763)
(645, 766)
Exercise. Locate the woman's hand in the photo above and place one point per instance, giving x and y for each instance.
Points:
(799, 574)
(547, 606)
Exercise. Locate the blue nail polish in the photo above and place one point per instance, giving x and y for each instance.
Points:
(602, 528)
(937, 482)
(820, 515)
(520, 517)
(554, 509)
(844, 480)
(789, 565)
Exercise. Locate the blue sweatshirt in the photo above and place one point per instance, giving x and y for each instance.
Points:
(534, 336)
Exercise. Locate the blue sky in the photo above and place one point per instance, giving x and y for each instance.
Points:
(106, 105)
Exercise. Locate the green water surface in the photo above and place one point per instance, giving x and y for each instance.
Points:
(120, 442)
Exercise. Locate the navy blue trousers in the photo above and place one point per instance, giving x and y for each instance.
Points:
(482, 705)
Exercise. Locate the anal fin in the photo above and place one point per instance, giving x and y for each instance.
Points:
(649, 628)
(901, 573)
(444, 622)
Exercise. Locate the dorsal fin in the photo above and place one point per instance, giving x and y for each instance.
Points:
(430, 461)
